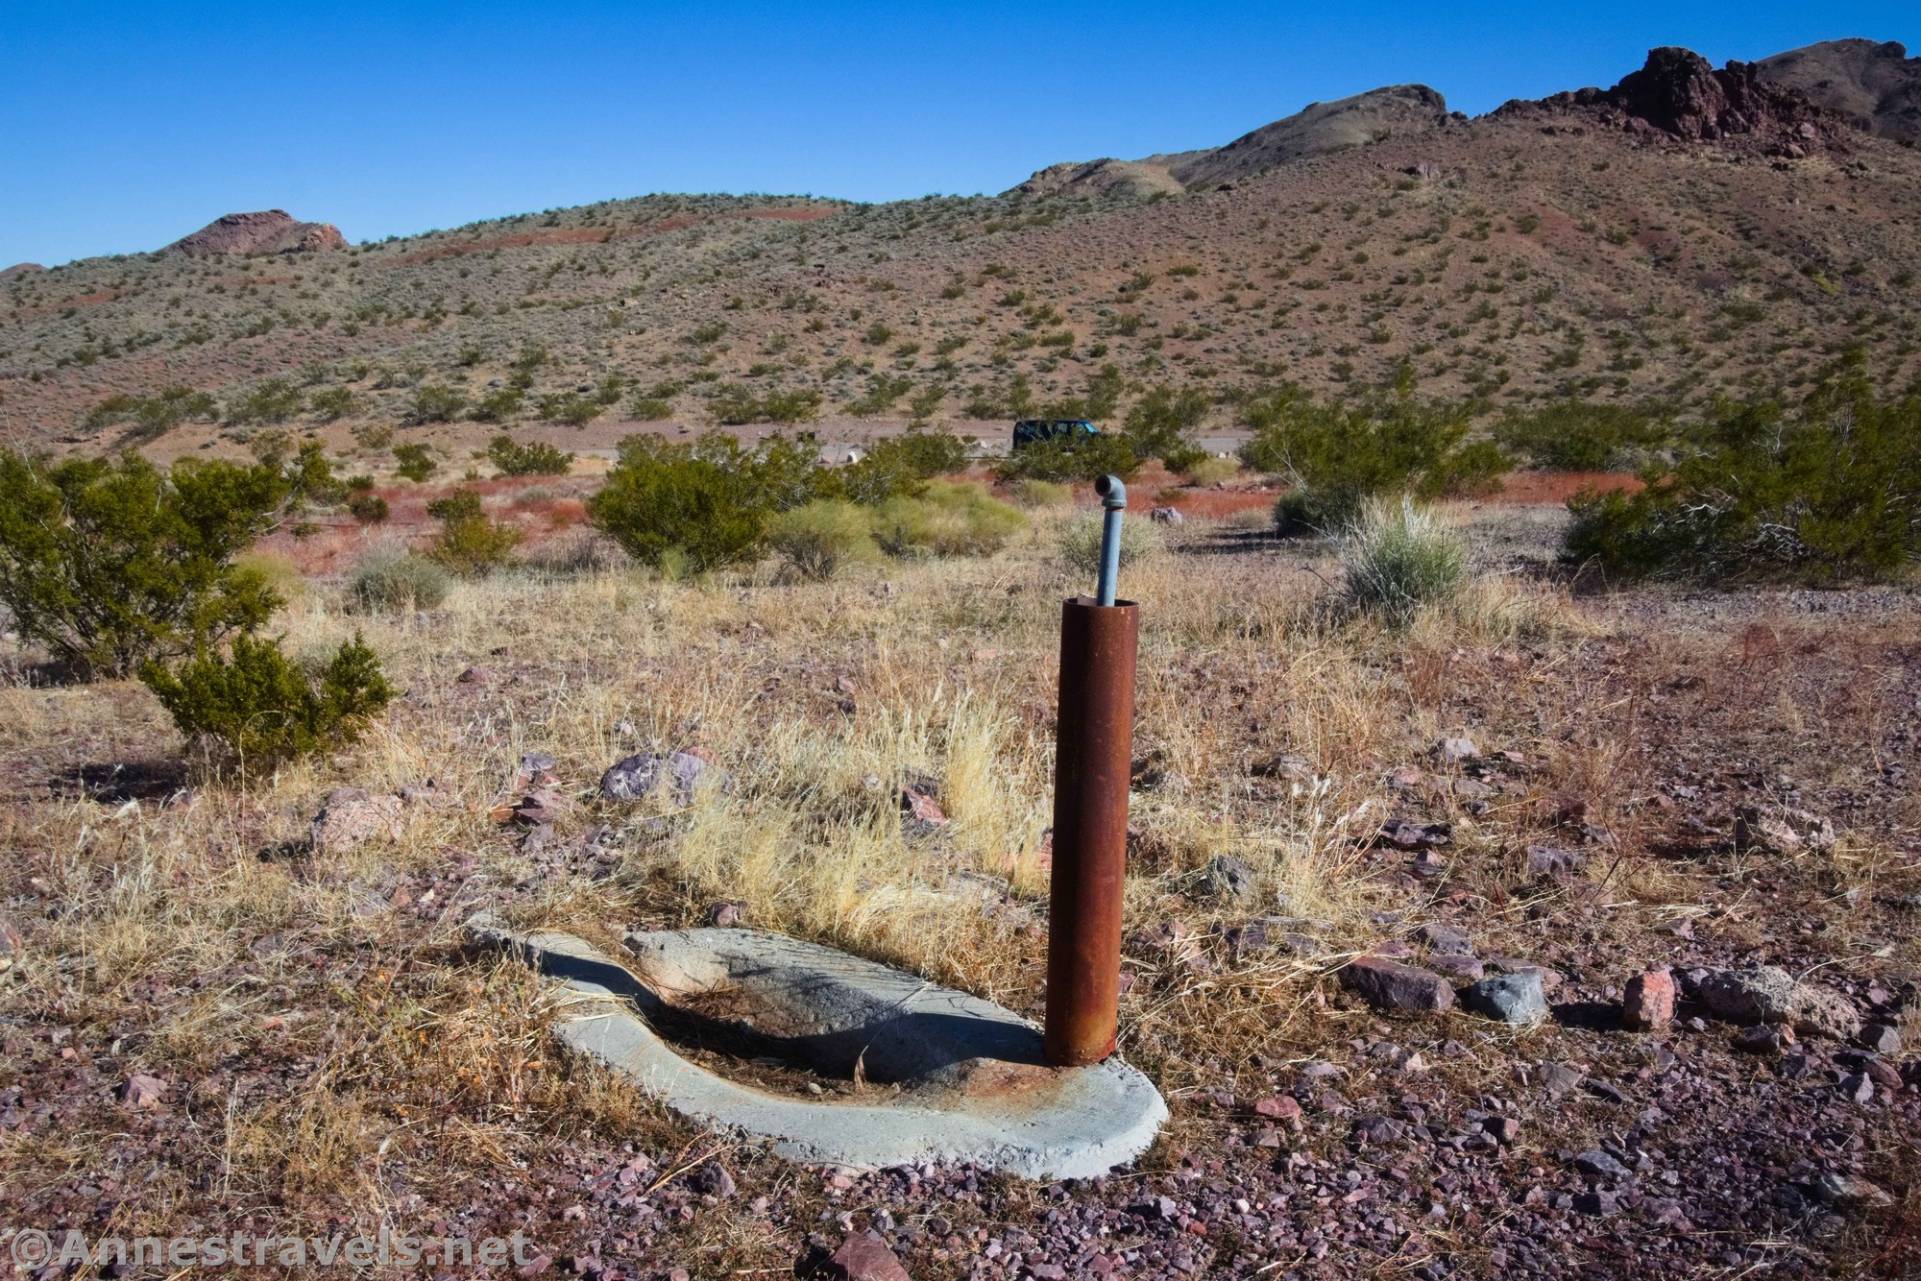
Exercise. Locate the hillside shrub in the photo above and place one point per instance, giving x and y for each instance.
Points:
(435, 403)
(110, 564)
(946, 519)
(822, 537)
(256, 705)
(396, 579)
(511, 458)
(415, 462)
(1337, 455)
(1827, 491)
(1397, 557)
(737, 404)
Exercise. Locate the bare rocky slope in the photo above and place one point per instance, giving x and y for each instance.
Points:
(1687, 233)
(1875, 86)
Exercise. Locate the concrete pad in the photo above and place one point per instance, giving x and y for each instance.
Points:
(964, 1078)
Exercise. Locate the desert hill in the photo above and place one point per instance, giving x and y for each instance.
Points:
(1734, 236)
(1317, 129)
(1875, 86)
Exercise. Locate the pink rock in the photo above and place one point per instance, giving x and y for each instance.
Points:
(865, 1257)
(1648, 1003)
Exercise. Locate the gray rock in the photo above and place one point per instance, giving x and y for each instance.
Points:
(633, 778)
(1167, 516)
(1598, 1164)
(1456, 751)
(1442, 937)
(1552, 862)
(1769, 994)
(1391, 986)
(1226, 877)
(1515, 999)
(1848, 1191)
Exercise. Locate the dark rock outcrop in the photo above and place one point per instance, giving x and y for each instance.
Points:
(271, 231)
(1678, 94)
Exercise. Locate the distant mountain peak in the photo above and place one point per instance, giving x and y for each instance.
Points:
(269, 231)
(1317, 129)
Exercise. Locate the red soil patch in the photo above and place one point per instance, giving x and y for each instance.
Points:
(1553, 488)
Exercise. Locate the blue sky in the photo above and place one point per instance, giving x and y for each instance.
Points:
(124, 126)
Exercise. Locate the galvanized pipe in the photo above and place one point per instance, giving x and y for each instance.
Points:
(1113, 502)
(1092, 765)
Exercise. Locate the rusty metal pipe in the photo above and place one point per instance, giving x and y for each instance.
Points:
(1093, 761)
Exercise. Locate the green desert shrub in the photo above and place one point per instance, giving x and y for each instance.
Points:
(511, 458)
(470, 543)
(947, 518)
(1161, 423)
(257, 706)
(1397, 557)
(1574, 435)
(705, 502)
(1823, 492)
(1082, 458)
(435, 403)
(737, 404)
(109, 564)
(901, 464)
(415, 462)
(1080, 542)
(396, 579)
(1337, 455)
(822, 537)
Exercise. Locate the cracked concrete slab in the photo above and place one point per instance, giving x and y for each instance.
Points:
(966, 1080)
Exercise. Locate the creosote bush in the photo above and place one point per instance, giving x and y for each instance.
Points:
(1825, 492)
(707, 502)
(1338, 455)
(257, 706)
(512, 458)
(469, 543)
(1397, 557)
